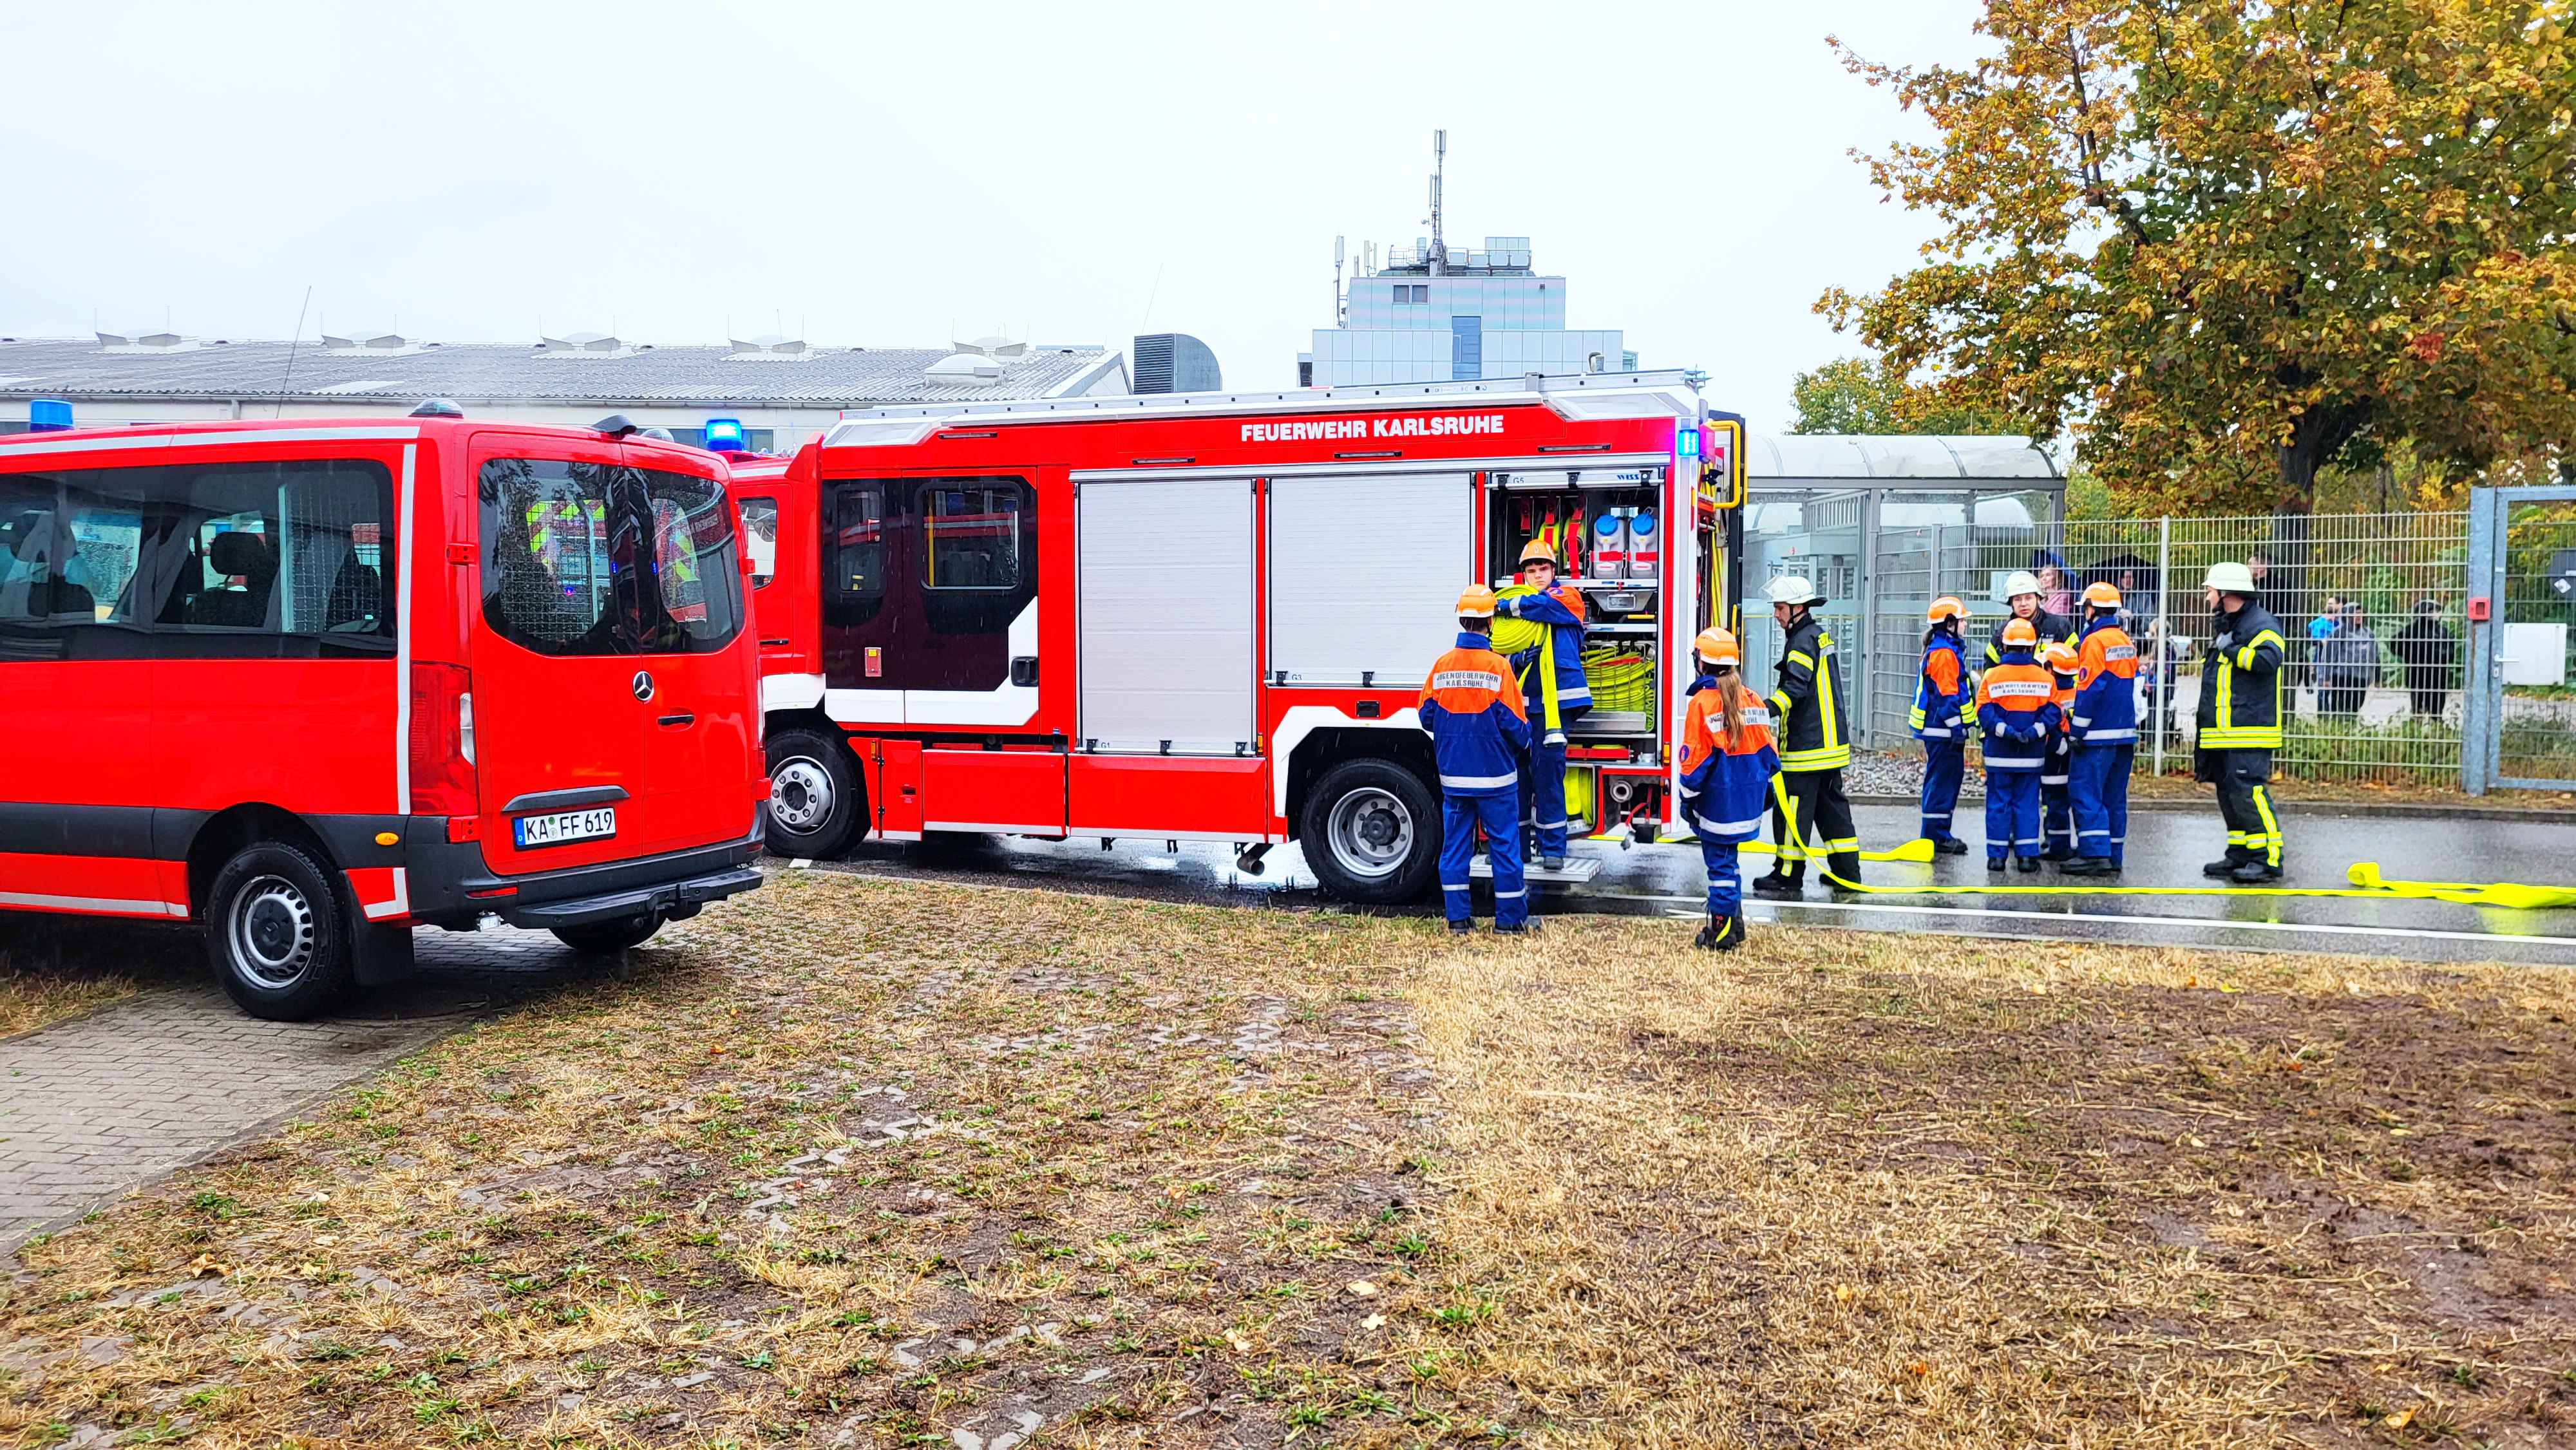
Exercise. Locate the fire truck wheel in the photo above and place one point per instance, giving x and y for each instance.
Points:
(278, 933)
(816, 804)
(1372, 832)
(608, 938)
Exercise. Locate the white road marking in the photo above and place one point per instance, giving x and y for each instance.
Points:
(2189, 921)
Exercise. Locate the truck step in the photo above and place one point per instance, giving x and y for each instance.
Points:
(1577, 869)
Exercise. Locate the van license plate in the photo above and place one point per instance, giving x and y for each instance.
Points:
(531, 832)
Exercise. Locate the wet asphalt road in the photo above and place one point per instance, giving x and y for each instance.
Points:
(2165, 849)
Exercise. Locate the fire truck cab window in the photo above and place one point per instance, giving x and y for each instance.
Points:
(971, 536)
(858, 542)
(760, 538)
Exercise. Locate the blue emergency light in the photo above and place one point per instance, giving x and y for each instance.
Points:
(724, 435)
(48, 415)
(1686, 442)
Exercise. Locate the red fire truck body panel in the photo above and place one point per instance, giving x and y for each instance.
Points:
(223, 639)
(1170, 625)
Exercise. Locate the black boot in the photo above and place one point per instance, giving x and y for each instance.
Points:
(1779, 887)
(2224, 866)
(1730, 933)
(1707, 939)
(2029, 865)
(2254, 873)
(1950, 846)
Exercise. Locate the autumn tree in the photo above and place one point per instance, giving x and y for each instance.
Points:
(1865, 395)
(2227, 243)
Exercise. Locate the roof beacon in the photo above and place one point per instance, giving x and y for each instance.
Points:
(438, 408)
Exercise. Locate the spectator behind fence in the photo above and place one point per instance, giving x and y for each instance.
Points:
(2347, 665)
(2328, 616)
(2055, 596)
(2430, 656)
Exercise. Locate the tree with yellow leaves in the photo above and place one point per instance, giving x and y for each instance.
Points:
(2228, 243)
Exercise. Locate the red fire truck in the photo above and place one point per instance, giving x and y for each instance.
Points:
(1207, 616)
(315, 684)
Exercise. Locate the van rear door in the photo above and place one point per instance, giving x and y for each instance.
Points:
(702, 715)
(560, 688)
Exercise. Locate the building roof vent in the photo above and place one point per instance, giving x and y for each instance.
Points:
(142, 340)
(582, 345)
(964, 370)
(769, 347)
(991, 347)
(375, 340)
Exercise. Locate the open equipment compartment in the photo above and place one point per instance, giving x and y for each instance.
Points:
(1607, 528)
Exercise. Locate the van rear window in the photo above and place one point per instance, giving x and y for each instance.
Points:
(594, 559)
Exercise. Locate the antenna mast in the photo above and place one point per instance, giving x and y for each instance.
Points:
(1439, 164)
(1337, 282)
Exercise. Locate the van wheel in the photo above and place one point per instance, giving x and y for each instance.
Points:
(278, 934)
(608, 938)
(817, 805)
(1372, 832)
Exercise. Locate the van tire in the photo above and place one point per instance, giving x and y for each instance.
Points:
(608, 938)
(817, 803)
(1371, 833)
(278, 933)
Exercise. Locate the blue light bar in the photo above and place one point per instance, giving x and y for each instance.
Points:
(1686, 442)
(724, 435)
(48, 415)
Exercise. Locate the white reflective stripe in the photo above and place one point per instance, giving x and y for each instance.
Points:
(2082, 720)
(2006, 762)
(1509, 895)
(1729, 828)
(1466, 680)
(1477, 782)
(2018, 689)
(92, 903)
(2097, 737)
(1934, 732)
(1460, 887)
(1579, 694)
(1551, 825)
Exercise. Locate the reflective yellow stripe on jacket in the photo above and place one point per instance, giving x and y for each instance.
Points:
(2226, 735)
(1835, 753)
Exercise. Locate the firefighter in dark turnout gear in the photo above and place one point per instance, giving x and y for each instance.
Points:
(2240, 724)
(1810, 813)
(2023, 600)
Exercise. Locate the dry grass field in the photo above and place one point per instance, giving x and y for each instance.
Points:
(53, 967)
(873, 1163)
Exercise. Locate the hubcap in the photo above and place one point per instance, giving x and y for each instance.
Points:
(800, 795)
(1370, 832)
(270, 930)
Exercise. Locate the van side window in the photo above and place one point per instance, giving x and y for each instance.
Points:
(760, 538)
(696, 569)
(70, 546)
(971, 535)
(292, 549)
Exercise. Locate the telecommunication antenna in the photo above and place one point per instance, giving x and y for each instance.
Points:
(1337, 282)
(1439, 164)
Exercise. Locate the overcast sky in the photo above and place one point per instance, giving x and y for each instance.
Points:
(905, 175)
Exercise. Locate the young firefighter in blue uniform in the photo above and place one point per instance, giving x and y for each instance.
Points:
(1565, 695)
(1472, 707)
(1944, 700)
(1727, 764)
(2104, 727)
(2056, 813)
(2017, 710)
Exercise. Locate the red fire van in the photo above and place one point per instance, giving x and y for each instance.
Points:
(314, 684)
(1207, 616)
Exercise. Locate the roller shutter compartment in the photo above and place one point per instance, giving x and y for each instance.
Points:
(1166, 616)
(1364, 575)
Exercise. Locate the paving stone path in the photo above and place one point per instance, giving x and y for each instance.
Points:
(96, 1106)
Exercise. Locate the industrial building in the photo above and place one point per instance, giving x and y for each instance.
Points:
(778, 391)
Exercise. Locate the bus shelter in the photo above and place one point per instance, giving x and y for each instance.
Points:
(1883, 525)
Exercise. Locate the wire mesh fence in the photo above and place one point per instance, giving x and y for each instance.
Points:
(2536, 613)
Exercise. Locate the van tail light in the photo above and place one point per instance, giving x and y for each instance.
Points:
(442, 746)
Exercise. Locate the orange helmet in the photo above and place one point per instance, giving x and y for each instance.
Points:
(1537, 551)
(2059, 656)
(1476, 603)
(2102, 595)
(1945, 607)
(2020, 632)
(1718, 647)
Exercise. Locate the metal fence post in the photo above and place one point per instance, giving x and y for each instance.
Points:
(2479, 694)
(2164, 639)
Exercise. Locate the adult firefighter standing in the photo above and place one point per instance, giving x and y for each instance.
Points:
(1944, 702)
(1472, 707)
(2023, 601)
(1807, 800)
(2240, 723)
(2104, 727)
(1551, 676)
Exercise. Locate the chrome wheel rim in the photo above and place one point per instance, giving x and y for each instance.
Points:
(271, 932)
(1369, 833)
(800, 795)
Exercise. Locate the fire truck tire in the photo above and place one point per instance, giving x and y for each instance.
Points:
(817, 804)
(1371, 832)
(608, 938)
(278, 933)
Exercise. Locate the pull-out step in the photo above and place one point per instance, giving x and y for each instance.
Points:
(1578, 869)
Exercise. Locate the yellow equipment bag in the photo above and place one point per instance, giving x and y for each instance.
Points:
(1513, 635)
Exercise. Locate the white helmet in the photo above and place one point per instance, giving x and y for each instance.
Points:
(2021, 582)
(2229, 578)
(1792, 589)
